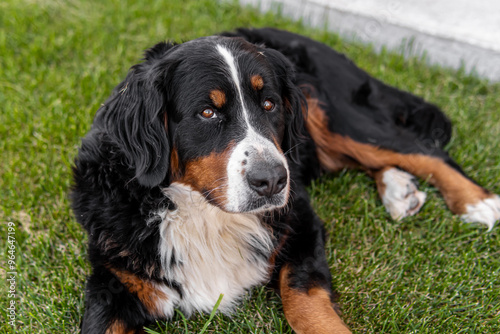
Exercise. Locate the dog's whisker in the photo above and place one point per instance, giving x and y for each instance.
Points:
(292, 148)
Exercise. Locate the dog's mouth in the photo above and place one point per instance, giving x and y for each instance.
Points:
(262, 205)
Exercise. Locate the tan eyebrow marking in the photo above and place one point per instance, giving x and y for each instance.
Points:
(257, 82)
(218, 97)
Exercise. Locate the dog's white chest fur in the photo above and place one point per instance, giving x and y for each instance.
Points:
(209, 252)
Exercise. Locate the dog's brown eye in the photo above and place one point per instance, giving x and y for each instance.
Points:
(208, 113)
(268, 105)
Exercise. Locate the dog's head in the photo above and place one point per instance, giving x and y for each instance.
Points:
(217, 114)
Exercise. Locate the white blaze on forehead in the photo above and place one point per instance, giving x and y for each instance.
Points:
(235, 76)
(233, 70)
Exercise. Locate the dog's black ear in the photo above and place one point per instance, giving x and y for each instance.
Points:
(135, 116)
(293, 99)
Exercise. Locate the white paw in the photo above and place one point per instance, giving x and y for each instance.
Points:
(401, 197)
(486, 212)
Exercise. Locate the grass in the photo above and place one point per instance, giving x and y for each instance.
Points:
(60, 60)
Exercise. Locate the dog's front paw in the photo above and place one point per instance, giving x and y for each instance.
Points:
(401, 197)
(486, 211)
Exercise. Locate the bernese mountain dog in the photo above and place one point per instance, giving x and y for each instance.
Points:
(191, 182)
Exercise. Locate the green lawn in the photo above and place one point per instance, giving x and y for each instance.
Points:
(60, 59)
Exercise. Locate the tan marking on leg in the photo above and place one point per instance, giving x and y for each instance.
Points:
(457, 190)
(315, 124)
(118, 327)
(309, 312)
(147, 293)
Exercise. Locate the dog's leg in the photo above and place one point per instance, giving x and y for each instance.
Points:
(463, 196)
(304, 275)
(398, 191)
(117, 303)
(308, 310)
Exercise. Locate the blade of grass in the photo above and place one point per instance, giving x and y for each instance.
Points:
(212, 314)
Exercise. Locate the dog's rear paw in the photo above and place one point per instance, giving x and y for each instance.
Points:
(401, 196)
(486, 212)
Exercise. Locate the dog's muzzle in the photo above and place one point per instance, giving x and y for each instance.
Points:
(258, 176)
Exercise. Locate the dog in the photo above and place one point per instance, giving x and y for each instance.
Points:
(191, 182)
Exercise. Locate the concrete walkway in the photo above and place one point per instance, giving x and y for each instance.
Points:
(452, 32)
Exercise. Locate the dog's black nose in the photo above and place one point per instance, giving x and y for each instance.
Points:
(266, 180)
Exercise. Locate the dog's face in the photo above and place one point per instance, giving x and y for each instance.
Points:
(224, 112)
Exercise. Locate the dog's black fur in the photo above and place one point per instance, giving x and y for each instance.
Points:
(147, 135)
